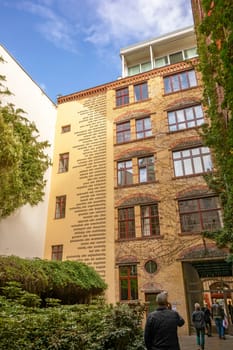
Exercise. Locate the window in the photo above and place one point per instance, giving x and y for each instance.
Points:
(151, 266)
(126, 223)
(160, 62)
(192, 161)
(185, 118)
(63, 162)
(123, 132)
(57, 252)
(139, 68)
(180, 81)
(176, 57)
(128, 282)
(60, 207)
(122, 97)
(145, 66)
(134, 70)
(65, 128)
(200, 214)
(125, 173)
(143, 128)
(189, 53)
(140, 92)
(150, 220)
(146, 169)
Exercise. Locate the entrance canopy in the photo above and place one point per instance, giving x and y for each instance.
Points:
(209, 261)
(213, 268)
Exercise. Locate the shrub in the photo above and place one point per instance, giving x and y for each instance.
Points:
(96, 326)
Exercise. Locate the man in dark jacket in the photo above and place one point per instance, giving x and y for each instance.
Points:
(161, 327)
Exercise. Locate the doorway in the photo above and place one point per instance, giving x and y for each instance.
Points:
(205, 281)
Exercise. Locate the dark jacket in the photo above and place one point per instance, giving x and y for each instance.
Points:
(161, 329)
(198, 319)
(207, 314)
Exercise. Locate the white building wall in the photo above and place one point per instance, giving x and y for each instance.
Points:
(23, 233)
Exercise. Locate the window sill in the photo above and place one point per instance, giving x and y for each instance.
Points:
(191, 175)
(132, 103)
(186, 129)
(175, 92)
(181, 234)
(144, 238)
(137, 184)
(133, 141)
(133, 301)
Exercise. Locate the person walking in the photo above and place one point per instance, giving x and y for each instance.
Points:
(217, 313)
(207, 317)
(160, 331)
(198, 319)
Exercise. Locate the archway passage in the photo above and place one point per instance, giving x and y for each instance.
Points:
(207, 278)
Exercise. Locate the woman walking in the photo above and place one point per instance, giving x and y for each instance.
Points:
(198, 319)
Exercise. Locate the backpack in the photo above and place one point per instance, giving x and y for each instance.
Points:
(198, 319)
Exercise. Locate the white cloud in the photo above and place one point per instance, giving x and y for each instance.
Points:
(69, 23)
(125, 21)
(53, 26)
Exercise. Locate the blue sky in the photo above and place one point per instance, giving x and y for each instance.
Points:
(71, 45)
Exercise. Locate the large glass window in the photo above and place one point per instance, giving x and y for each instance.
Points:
(180, 81)
(192, 161)
(63, 162)
(57, 252)
(125, 173)
(122, 97)
(146, 169)
(60, 207)
(143, 128)
(126, 223)
(150, 220)
(200, 214)
(123, 132)
(140, 92)
(185, 118)
(128, 282)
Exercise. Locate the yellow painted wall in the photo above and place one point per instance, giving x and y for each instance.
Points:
(87, 231)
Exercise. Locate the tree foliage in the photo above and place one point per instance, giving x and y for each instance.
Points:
(215, 47)
(70, 281)
(23, 160)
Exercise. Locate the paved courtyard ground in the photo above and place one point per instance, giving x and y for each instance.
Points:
(188, 342)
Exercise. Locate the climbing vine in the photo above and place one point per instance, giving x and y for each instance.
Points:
(215, 48)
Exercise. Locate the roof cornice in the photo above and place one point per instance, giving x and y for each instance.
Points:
(183, 65)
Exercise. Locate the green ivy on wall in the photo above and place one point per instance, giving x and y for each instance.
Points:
(215, 48)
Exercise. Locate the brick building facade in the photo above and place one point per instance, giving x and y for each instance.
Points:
(128, 195)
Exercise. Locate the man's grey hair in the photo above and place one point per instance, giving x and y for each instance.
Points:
(161, 298)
